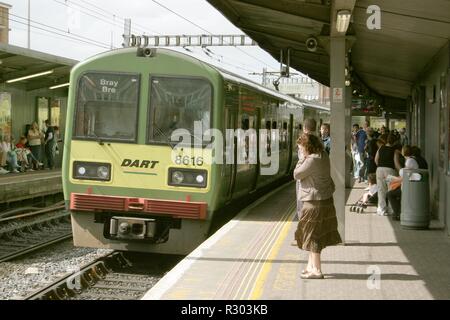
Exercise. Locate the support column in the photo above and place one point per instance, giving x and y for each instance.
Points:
(349, 179)
(338, 131)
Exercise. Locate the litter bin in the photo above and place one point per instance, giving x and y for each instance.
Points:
(415, 213)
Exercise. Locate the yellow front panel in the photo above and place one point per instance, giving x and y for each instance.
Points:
(140, 166)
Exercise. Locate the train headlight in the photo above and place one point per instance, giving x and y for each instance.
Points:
(199, 178)
(187, 177)
(177, 177)
(102, 172)
(81, 170)
(91, 171)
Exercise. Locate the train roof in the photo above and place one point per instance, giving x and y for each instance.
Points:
(228, 75)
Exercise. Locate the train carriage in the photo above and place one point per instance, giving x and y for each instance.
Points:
(129, 185)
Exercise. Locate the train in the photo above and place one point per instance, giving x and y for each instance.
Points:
(129, 186)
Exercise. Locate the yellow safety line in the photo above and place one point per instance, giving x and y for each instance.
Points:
(273, 238)
(267, 266)
(262, 252)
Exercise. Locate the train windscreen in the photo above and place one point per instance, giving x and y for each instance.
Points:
(177, 103)
(107, 107)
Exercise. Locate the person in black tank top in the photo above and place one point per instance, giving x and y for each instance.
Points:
(386, 167)
(386, 156)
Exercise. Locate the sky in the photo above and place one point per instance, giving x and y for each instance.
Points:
(99, 23)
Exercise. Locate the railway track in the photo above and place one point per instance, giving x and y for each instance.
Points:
(112, 277)
(20, 235)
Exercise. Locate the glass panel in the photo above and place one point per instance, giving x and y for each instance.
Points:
(55, 112)
(177, 103)
(107, 106)
(5, 114)
(43, 112)
(442, 121)
(447, 103)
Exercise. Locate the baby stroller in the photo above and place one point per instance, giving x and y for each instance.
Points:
(363, 202)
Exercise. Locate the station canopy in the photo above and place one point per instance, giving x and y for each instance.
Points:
(386, 61)
(17, 62)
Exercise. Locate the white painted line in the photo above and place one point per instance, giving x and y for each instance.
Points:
(172, 277)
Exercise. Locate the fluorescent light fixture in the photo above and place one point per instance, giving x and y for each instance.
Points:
(60, 86)
(343, 20)
(30, 76)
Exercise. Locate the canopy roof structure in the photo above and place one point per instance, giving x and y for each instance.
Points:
(385, 61)
(17, 62)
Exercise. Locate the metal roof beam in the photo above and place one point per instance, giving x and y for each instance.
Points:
(310, 11)
(290, 42)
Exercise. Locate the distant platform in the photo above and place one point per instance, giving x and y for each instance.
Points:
(22, 186)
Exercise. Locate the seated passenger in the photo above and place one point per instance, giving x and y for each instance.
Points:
(416, 155)
(24, 155)
(395, 193)
(3, 155)
(8, 154)
(371, 197)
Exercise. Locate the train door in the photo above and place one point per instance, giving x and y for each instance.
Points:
(289, 138)
(257, 167)
(230, 145)
(230, 152)
(246, 152)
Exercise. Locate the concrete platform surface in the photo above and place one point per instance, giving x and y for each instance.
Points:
(252, 258)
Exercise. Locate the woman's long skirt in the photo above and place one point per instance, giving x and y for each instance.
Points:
(317, 227)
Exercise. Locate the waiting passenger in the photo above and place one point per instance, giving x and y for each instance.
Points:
(416, 155)
(34, 140)
(371, 149)
(371, 196)
(24, 152)
(384, 159)
(309, 126)
(9, 157)
(326, 139)
(50, 142)
(3, 156)
(394, 195)
(317, 227)
(403, 137)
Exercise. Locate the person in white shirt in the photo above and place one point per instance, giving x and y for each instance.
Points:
(395, 195)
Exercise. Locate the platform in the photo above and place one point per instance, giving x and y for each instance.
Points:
(21, 186)
(251, 257)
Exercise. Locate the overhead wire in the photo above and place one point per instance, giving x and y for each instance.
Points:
(67, 35)
(142, 28)
(205, 30)
(101, 16)
(57, 29)
(52, 35)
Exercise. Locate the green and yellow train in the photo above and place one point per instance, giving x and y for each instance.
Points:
(128, 185)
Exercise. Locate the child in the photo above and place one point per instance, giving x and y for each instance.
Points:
(371, 195)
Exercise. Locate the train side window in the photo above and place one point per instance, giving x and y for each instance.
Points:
(284, 136)
(274, 125)
(268, 125)
(245, 124)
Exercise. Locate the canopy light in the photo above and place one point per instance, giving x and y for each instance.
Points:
(60, 86)
(343, 20)
(30, 76)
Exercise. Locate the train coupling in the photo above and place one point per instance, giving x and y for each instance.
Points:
(132, 228)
